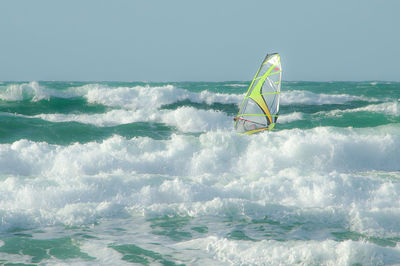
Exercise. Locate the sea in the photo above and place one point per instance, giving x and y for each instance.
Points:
(153, 173)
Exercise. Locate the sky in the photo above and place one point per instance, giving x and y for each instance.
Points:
(208, 40)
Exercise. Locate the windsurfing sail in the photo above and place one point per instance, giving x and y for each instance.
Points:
(260, 106)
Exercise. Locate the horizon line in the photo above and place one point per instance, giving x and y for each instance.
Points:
(182, 81)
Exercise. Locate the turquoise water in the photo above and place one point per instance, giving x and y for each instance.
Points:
(116, 173)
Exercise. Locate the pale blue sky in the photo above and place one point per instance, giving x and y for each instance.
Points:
(208, 40)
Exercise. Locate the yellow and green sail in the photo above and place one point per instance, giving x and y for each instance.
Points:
(260, 107)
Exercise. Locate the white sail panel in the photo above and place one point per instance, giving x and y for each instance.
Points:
(260, 107)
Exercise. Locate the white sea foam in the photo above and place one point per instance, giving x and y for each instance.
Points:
(217, 250)
(32, 91)
(186, 119)
(388, 108)
(266, 252)
(153, 96)
(311, 174)
(139, 97)
(286, 118)
(324, 149)
(310, 179)
(237, 85)
(18, 92)
(104, 255)
(16, 258)
(307, 97)
(110, 118)
(136, 97)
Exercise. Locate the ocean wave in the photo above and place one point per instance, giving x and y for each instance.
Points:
(135, 97)
(19, 92)
(154, 97)
(310, 98)
(286, 118)
(31, 91)
(149, 97)
(325, 195)
(237, 85)
(215, 176)
(308, 173)
(185, 119)
(388, 108)
(326, 149)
